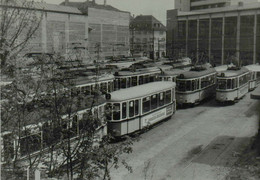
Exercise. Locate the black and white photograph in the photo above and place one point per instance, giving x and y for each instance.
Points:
(130, 89)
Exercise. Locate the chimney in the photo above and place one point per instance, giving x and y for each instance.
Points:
(105, 2)
(66, 2)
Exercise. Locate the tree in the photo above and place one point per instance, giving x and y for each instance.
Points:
(19, 22)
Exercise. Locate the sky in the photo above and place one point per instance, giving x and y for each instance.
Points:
(157, 8)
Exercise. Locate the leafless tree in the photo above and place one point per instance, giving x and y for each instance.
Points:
(19, 21)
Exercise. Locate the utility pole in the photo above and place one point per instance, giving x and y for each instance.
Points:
(158, 48)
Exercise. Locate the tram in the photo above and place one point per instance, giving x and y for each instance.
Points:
(89, 85)
(195, 85)
(254, 76)
(130, 78)
(136, 108)
(232, 84)
(36, 137)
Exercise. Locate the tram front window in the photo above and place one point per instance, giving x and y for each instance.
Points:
(136, 107)
(161, 98)
(116, 111)
(181, 85)
(188, 86)
(222, 84)
(168, 97)
(109, 111)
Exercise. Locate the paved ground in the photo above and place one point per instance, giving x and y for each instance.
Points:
(197, 143)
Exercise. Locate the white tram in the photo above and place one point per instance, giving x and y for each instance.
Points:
(195, 85)
(128, 78)
(232, 84)
(254, 76)
(138, 107)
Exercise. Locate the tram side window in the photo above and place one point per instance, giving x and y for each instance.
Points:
(136, 107)
(141, 80)
(168, 97)
(131, 109)
(87, 90)
(229, 84)
(123, 83)
(124, 110)
(8, 143)
(146, 79)
(146, 104)
(109, 111)
(161, 98)
(154, 103)
(116, 111)
(242, 80)
(129, 82)
(134, 81)
(193, 85)
(152, 78)
(103, 87)
(109, 87)
(30, 143)
(234, 83)
(188, 86)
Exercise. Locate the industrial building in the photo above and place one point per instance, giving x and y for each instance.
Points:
(148, 37)
(109, 29)
(218, 35)
(60, 28)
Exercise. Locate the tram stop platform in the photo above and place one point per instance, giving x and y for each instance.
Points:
(256, 93)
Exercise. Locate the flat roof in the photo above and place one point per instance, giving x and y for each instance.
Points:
(245, 6)
(44, 7)
(140, 91)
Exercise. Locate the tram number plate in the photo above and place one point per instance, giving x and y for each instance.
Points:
(168, 110)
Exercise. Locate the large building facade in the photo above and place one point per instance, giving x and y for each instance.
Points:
(193, 5)
(109, 29)
(148, 37)
(220, 35)
(60, 28)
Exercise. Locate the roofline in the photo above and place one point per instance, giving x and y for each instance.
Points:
(44, 10)
(196, 13)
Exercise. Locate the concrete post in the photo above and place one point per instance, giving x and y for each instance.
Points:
(187, 36)
(198, 33)
(238, 39)
(254, 46)
(209, 53)
(44, 32)
(223, 41)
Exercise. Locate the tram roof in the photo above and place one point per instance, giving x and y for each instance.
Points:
(138, 71)
(233, 73)
(196, 74)
(253, 67)
(173, 72)
(93, 79)
(140, 91)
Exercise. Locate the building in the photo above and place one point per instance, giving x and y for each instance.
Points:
(109, 29)
(219, 35)
(148, 37)
(193, 5)
(60, 28)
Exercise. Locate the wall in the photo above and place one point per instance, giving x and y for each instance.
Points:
(110, 29)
